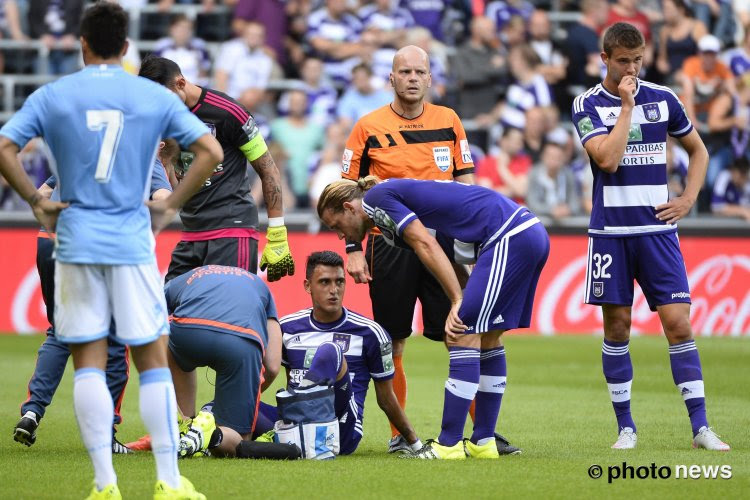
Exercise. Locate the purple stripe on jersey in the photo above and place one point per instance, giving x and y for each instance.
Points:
(233, 108)
(643, 175)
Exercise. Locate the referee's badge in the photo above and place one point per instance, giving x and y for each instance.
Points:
(442, 155)
(598, 288)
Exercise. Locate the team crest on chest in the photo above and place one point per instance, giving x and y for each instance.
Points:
(651, 112)
(342, 339)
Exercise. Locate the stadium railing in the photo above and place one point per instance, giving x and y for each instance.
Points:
(306, 221)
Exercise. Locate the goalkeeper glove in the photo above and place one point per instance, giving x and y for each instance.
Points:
(276, 256)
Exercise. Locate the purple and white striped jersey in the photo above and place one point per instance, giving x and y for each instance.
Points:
(523, 96)
(738, 60)
(347, 28)
(624, 202)
(398, 18)
(726, 192)
(366, 345)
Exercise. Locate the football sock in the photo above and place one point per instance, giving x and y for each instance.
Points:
(267, 417)
(492, 377)
(158, 412)
(460, 389)
(399, 386)
(325, 365)
(618, 371)
(688, 377)
(93, 407)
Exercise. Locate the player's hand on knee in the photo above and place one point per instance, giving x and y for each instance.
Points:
(356, 266)
(277, 257)
(453, 324)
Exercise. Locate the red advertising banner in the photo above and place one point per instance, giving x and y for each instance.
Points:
(718, 272)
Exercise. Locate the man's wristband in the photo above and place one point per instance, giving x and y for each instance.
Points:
(353, 246)
(275, 221)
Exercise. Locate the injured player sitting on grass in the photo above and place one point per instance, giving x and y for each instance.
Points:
(329, 345)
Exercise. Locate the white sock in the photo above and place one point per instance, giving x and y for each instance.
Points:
(159, 415)
(94, 408)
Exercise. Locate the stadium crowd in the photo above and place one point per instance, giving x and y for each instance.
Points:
(307, 70)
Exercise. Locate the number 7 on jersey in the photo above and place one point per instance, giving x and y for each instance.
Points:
(111, 120)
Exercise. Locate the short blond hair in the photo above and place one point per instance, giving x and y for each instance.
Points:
(336, 193)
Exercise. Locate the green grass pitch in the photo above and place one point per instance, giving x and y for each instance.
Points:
(556, 408)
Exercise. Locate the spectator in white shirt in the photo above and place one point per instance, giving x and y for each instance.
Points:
(187, 51)
(244, 64)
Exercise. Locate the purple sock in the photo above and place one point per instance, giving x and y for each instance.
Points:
(267, 417)
(492, 376)
(460, 389)
(618, 371)
(688, 377)
(326, 364)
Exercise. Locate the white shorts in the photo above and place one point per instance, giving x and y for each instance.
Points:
(89, 296)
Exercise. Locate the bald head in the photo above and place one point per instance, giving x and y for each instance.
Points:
(411, 55)
(410, 78)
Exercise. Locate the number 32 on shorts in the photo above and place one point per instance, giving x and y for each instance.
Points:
(599, 265)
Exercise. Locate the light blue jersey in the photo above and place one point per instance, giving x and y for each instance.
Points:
(103, 126)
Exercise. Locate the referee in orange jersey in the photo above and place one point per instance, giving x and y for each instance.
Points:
(408, 138)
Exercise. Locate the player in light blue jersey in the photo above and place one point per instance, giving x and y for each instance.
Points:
(623, 123)
(509, 246)
(103, 127)
(331, 345)
(53, 355)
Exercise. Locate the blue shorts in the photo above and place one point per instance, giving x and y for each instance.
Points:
(500, 292)
(347, 411)
(238, 365)
(654, 260)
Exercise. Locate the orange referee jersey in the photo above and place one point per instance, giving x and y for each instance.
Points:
(430, 146)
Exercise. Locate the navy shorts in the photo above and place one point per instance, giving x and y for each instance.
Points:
(654, 260)
(238, 363)
(393, 268)
(347, 411)
(500, 292)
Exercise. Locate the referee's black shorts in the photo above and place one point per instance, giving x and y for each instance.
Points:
(234, 251)
(398, 279)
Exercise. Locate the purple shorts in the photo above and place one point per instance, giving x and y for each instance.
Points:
(500, 291)
(654, 260)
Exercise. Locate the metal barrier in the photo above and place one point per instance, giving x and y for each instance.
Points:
(307, 221)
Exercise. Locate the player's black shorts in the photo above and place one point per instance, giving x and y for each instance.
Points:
(398, 279)
(236, 252)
